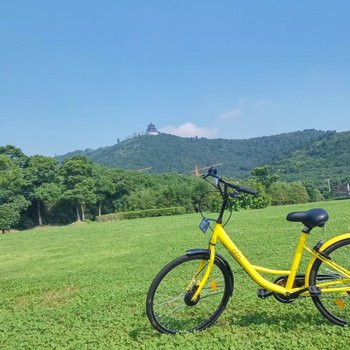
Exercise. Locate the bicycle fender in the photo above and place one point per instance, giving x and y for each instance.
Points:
(323, 248)
(219, 257)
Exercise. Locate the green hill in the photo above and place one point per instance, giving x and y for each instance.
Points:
(319, 160)
(295, 155)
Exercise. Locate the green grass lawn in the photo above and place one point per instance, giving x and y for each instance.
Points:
(84, 286)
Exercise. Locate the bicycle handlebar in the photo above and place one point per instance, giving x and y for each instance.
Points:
(245, 190)
(213, 173)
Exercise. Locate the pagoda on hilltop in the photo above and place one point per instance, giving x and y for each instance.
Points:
(152, 130)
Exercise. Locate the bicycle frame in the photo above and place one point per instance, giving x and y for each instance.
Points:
(255, 271)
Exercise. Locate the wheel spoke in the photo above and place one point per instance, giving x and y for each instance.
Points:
(334, 301)
(170, 308)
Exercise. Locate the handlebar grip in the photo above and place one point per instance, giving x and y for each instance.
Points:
(247, 190)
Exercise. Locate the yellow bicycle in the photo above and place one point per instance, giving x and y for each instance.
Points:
(192, 291)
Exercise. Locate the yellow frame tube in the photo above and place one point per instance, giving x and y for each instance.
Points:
(296, 261)
(331, 263)
(219, 234)
(246, 265)
(270, 271)
(318, 256)
(199, 269)
(212, 244)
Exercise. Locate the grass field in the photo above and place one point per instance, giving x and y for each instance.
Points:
(84, 286)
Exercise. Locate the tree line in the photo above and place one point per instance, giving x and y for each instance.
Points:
(37, 190)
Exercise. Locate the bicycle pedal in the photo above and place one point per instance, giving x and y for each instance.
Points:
(263, 293)
(314, 291)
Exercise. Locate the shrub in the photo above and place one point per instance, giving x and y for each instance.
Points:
(142, 214)
(288, 193)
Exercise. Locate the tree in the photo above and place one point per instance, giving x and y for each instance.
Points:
(46, 193)
(15, 154)
(263, 176)
(146, 198)
(78, 183)
(104, 185)
(11, 178)
(288, 193)
(262, 200)
(12, 202)
(9, 216)
(82, 194)
(313, 192)
(41, 174)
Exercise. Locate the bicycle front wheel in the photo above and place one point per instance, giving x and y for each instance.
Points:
(169, 306)
(334, 305)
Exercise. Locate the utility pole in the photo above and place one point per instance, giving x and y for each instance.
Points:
(329, 184)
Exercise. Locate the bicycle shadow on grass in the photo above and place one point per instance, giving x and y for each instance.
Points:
(141, 332)
(287, 320)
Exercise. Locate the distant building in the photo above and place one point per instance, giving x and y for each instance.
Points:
(152, 130)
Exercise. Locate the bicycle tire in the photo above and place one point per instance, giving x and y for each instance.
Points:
(333, 306)
(168, 305)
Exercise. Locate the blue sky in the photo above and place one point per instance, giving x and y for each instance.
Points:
(81, 74)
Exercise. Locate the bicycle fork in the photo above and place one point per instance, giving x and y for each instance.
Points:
(201, 283)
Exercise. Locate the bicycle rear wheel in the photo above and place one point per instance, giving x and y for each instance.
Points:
(169, 306)
(334, 306)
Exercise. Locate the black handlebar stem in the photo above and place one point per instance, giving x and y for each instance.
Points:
(213, 173)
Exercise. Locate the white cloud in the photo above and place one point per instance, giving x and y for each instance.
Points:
(236, 112)
(231, 115)
(191, 130)
(246, 105)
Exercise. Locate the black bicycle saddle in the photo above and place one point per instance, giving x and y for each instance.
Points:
(311, 218)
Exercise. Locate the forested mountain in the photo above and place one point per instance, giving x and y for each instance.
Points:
(296, 155)
(328, 157)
